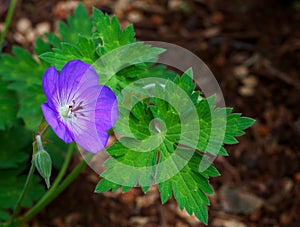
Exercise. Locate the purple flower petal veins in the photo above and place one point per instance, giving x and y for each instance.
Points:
(78, 108)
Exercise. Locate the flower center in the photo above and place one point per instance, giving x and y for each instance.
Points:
(70, 111)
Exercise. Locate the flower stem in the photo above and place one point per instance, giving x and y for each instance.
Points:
(38, 140)
(24, 192)
(64, 167)
(54, 191)
(10, 13)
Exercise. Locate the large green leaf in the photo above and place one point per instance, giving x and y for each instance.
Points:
(177, 124)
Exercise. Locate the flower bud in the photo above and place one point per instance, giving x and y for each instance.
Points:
(42, 162)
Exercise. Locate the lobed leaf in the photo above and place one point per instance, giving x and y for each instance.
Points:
(175, 168)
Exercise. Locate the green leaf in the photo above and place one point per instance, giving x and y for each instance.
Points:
(126, 63)
(138, 167)
(212, 123)
(78, 24)
(4, 216)
(29, 71)
(235, 126)
(8, 106)
(30, 107)
(76, 43)
(68, 51)
(103, 186)
(176, 168)
(11, 186)
(184, 180)
(42, 46)
(87, 47)
(185, 82)
(26, 80)
(108, 31)
(14, 143)
(139, 121)
(189, 191)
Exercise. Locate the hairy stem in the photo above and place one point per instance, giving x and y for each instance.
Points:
(24, 192)
(64, 167)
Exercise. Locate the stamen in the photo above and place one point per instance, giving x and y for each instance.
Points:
(79, 107)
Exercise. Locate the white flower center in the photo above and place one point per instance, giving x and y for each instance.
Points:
(65, 111)
(70, 111)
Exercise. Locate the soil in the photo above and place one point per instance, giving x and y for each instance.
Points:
(253, 49)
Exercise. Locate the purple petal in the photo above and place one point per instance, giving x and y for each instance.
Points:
(101, 105)
(99, 114)
(106, 109)
(49, 83)
(87, 136)
(74, 76)
(58, 127)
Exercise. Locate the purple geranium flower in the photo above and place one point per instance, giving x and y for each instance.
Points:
(78, 108)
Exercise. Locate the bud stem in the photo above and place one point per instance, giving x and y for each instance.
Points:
(39, 142)
(24, 192)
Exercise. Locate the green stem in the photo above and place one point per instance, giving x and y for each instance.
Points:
(10, 13)
(64, 167)
(24, 192)
(52, 194)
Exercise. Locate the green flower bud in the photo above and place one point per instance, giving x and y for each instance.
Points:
(42, 162)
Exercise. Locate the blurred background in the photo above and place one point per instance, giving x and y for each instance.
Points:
(253, 49)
